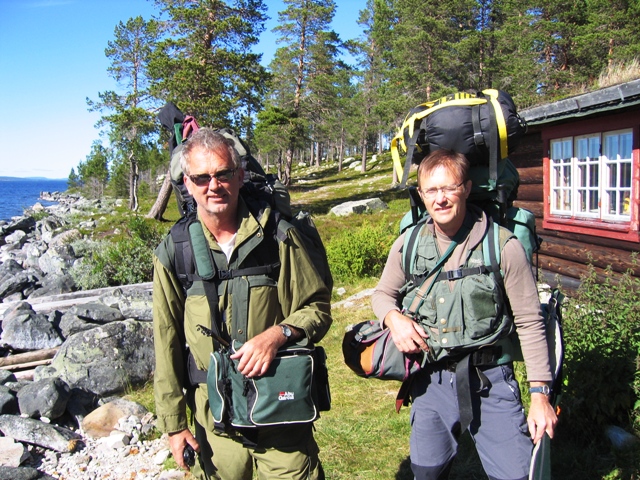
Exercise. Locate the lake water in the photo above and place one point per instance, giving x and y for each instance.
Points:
(16, 194)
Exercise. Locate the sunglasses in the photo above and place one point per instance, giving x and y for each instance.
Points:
(203, 179)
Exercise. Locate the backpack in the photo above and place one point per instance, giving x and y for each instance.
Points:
(260, 189)
(485, 127)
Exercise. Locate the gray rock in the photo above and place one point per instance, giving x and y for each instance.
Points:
(24, 223)
(55, 285)
(8, 401)
(27, 330)
(65, 238)
(17, 238)
(38, 433)
(58, 259)
(47, 397)
(81, 318)
(133, 303)
(6, 376)
(106, 359)
(18, 282)
(22, 473)
(359, 206)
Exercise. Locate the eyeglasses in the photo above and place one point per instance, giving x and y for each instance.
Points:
(203, 179)
(432, 192)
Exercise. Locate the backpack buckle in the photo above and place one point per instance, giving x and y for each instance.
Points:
(224, 274)
(454, 274)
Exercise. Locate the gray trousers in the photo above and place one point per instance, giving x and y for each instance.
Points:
(499, 427)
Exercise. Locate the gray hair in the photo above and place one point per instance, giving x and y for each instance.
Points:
(211, 141)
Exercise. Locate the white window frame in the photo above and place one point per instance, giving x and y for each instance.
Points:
(593, 187)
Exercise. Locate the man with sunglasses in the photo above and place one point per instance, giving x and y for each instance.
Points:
(476, 390)
(284, 306)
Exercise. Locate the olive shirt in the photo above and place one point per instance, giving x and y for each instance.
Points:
(519, 284)
(297, 297)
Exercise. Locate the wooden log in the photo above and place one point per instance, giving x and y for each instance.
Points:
(34, 356)
(530, 175)
(585, 253)
(592, 240)
(531, 193)
(567, 267)
(27, 365)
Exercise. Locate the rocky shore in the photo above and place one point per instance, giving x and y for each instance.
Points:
(65, 417)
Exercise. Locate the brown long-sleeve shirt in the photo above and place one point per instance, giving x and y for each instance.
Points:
(519, 284)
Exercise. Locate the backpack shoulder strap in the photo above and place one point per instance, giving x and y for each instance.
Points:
(183, 261)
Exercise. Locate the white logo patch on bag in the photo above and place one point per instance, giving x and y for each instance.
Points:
(286, 396)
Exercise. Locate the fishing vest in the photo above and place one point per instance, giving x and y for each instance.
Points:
(463, 309)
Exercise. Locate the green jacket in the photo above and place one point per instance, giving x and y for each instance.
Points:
(250, 305)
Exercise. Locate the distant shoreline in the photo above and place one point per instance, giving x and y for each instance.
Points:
(42, 179)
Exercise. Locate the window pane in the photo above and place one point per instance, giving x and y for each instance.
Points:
(582, 148)
(625, 206)
(625, 174)
(594, 201)
(613, 196)
(594, 147)
(594, 175)
(625, 146)
(613, 175)
(566, 176)
(582, 176)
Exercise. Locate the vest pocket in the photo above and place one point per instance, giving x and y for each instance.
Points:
(479, 306)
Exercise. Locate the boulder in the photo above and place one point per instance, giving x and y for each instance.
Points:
(24, 329)
(57, 260)
(106, 359)
(133, 303)
(55, 284)
(12, 454)
(104, 419)
(359, 206)
(47, 397)
(87, 316)
(8, 401)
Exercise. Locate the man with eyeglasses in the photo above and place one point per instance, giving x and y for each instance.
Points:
(477, 392)
(280, 307)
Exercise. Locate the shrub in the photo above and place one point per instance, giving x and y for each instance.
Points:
(360, 252)
(125, 261)
(602, 337)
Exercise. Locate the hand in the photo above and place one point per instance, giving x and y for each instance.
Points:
(406, 334)
(542, 416)
(177, 442)
(256, 355)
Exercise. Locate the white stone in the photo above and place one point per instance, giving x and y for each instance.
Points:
(160, 457)
(12, 453)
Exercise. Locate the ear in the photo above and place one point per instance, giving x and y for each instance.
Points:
(467, 188)
(187, 183)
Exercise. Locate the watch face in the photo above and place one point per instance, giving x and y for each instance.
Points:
(286, 331)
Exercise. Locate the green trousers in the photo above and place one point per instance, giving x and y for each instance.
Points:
(287, 452)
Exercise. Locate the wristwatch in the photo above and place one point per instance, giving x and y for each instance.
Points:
(543, 389)
(286, 331)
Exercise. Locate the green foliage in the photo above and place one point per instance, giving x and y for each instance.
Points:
(126, 261)
(359, 252)
(602, 336)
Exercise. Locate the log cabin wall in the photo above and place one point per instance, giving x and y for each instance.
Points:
(564, 256)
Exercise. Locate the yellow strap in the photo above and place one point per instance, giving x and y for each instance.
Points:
(502, 125)
(397, 164)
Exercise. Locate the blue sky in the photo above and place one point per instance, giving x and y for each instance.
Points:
(52, 59)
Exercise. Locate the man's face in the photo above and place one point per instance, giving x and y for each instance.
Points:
(447, 208)
(219, 196)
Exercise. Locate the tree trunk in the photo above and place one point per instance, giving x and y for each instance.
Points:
(133, 183)
(341, 150)
(363, 168)
(162, 201)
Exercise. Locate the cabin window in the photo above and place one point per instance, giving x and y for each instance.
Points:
(590, 176)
